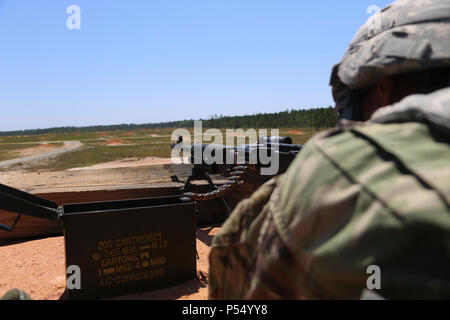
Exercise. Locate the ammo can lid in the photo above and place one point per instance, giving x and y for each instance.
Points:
(21, 202)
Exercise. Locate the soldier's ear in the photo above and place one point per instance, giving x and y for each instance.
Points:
(385, 91)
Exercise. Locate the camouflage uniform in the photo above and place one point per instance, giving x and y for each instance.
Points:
(374, 193)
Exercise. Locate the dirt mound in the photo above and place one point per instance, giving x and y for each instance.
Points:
(295, 132)
(114, 142)
(102, 134)
(38, 149)
(46, 146)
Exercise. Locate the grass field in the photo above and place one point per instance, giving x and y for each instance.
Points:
(11, 151)
(100, 147)
(14, 150)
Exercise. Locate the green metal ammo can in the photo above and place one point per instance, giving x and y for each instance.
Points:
(121, 247)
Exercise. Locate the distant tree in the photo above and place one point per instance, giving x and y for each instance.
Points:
(318, 118)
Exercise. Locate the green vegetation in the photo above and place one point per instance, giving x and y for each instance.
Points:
(35, 138)
(13, 150)
(299, 138)
(94, 154)
(312, 119)
(10, 151)
(109, 143)
(140, 134)
(117, 145)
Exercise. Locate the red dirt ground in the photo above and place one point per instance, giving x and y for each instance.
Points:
(37, 267)
(296, 132)
(114, 142)
(37, 149)
(129, 133)
(46, 146)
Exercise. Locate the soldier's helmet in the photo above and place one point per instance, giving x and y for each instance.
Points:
(406, 36)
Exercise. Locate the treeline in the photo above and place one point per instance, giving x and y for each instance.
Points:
(312, 118)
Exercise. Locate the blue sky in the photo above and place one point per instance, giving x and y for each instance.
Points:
(162, 60)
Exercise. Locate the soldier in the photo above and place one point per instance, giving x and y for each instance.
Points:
(369, 198)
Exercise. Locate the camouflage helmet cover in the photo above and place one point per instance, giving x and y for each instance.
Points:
(406, 36)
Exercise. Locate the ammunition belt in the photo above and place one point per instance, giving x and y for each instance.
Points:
(235, 178)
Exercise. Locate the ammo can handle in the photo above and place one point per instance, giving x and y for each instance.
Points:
(20, 202)
(11, 227)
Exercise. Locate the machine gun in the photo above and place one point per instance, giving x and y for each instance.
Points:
(242, 163)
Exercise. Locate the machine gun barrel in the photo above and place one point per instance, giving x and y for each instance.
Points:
(215, 154)
(236, 162)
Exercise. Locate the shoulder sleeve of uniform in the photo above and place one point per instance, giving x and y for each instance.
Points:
(348, 191)
(315, 196)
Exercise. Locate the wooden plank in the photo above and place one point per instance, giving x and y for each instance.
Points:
(209, 212)
(30, 226)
